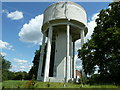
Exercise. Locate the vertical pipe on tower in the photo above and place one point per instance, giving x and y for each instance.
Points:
(41, 58)
(47, 62)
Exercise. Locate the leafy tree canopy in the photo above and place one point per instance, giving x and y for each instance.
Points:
(34, 68)
(6, 65)
(103, 49)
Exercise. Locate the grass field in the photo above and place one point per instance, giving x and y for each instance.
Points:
(37, 84)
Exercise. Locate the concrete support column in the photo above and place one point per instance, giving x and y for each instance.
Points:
(82, 42)
(82, 38)
(73, 61)
(41, 59)
(48, 53)
(67, 53)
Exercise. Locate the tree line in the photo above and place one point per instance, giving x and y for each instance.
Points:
(9, 75)
(5, 67)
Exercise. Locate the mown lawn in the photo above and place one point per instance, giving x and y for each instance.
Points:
(37, 84)
(0, 85)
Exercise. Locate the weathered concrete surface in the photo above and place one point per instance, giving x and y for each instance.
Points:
(63, 10)
(64, 23)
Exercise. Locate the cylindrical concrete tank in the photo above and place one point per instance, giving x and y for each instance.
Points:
(63, 12)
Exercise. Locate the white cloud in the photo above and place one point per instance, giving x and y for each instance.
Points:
(21, 67)
(77, 45)
(79, 67)
(116, 0)
(5, 11)
(19, 60)
(5, 45)
(31, 32)
(96, 69)
(78, 64)
(16, 15)
(75, 57)
(3, 53)
(91, 25)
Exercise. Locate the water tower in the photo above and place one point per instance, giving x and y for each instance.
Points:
(63, 24)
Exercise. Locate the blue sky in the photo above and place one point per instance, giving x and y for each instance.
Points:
(21, 34)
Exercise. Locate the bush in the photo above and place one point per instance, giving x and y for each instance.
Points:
(100, 79)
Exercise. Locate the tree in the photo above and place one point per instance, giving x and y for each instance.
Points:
(6, 65)
(0, 68)
(33, 71)
(21, 75)
(103, 49)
